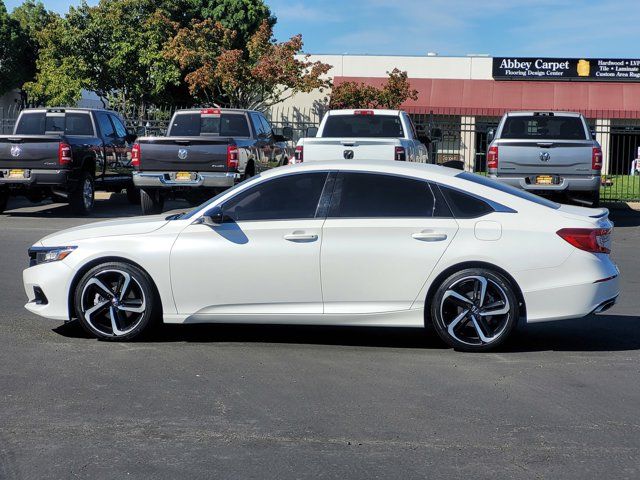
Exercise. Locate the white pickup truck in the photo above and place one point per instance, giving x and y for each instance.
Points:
(363, 135)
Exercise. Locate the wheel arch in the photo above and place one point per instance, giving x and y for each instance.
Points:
(471, 264)
(97, 261)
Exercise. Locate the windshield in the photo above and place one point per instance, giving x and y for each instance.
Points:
(196, 124)
(523, 194)
(368, 126)
(543, 127)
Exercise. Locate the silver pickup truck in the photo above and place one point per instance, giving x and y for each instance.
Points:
(547, 152)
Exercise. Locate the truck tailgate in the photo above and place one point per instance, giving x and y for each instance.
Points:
(197, 154)
(340, 148)
(29, 151)
(561, 157)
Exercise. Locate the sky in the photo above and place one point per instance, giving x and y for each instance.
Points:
(553, 28)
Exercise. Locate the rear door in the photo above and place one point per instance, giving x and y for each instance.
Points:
(122, 150)
(382, 238)
(544, 144)
(109, 159)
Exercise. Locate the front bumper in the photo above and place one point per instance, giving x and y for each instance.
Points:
(568, 183)
(35, 178)
(53, 280)
(200, 179)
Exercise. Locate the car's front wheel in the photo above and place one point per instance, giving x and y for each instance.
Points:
(474, 309)
(116, 301)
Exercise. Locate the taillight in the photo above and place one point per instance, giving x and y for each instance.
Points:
(492, 158)
(596, 159)
(232, 156)
(64, 154)
(299, 154)
(135, 155)
(592, 240)
(401, 154)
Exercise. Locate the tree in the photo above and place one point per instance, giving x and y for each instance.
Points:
(264, 73)
(392, 94)
(13, 49)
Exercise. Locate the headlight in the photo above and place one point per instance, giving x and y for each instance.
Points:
(38, 255)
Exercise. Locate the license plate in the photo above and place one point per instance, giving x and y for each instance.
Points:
(16, 173)
(544, 180)
(183, 176)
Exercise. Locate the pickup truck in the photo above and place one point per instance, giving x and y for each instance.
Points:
(363, 134)
(205, 151)
(66, 153)
(546, 153)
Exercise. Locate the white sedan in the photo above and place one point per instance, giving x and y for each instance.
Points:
(336, 243)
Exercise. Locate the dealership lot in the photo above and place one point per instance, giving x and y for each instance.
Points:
(560, 401)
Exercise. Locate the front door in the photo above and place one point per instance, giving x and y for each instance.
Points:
(264, 259)
(382, 238)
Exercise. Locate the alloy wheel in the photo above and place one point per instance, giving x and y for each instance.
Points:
(113, 302)
(87, 193)
(475, 310)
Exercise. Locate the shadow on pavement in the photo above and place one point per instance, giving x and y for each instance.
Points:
(592, 334)
(625, 217)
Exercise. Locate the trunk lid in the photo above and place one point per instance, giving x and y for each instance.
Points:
(350, 148)
(29, 151)
(198, 154)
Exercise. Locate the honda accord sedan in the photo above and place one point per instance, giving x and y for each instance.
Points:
(341, 243)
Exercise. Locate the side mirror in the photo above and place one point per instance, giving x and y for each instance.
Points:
(311, 132)
(436, 133)
(593, 134)
(287, 133)
(491, 133)
(214, 217)
(279, 138)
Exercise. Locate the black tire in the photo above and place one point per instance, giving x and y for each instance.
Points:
(594, 197)
(151, 201)
(135, 310)
(465, 324)
(249, 171)
(82, 197)
(133, 195)
(4, 199)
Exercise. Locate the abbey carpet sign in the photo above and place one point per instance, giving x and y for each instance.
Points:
(585, 69)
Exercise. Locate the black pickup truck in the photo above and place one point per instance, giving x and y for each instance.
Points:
(66, 153)
(205, 151)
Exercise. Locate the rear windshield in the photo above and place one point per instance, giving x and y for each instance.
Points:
(523, 194)
(196, 124)
(39, 123)
(544, 127)
(385, 126)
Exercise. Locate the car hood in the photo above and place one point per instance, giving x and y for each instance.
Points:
(121, 226)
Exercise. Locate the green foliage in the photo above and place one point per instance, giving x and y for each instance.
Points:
(392, 94)
(14, 48)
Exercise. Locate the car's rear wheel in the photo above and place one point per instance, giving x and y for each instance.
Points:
(115, 301)
(474, 309)
(82, 198)
(151, 202)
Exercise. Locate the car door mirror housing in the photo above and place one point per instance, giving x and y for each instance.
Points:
(490, 134)
(287, 133)
(436, 133)
(311, 131)
(213, 217)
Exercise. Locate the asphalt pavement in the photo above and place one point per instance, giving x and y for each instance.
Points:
(562, 400)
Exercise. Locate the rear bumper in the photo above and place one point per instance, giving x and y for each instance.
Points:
(167, 180)
(35, 178)
(575, 183)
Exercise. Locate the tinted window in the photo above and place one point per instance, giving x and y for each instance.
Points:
(544, 127)
(78, 124)
(487, 182)
(31, 124)
(363, 126)
(121, 131)
(281, 198)
(196, 124)
(366, 195)
(265, 126)
(105, 125)
(463, 205)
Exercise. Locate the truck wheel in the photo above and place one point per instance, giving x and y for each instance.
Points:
(249, 171)
(151, 201)
(4, 198)
(133, 195)
(595, 198)
(82, 197)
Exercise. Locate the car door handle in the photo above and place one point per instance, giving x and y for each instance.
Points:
(430, 236)
(301, 237)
